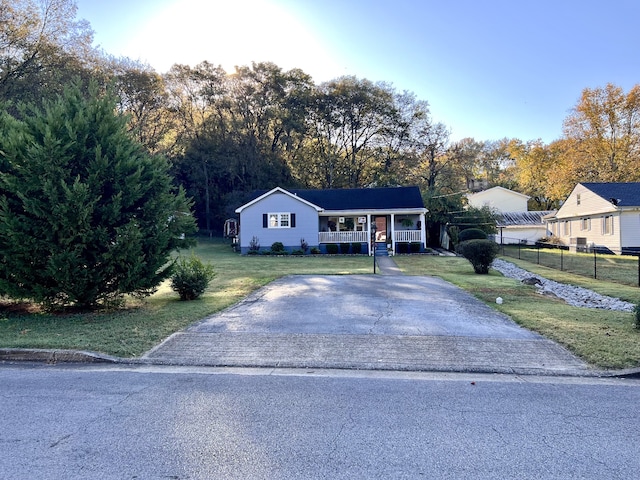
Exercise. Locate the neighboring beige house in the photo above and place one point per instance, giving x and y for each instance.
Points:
(499, 199)
(600, 216)
(514, 222)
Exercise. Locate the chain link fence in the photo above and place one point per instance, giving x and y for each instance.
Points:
(623, 269)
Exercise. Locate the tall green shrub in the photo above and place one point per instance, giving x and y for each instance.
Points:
(479, 252)
(86, 216)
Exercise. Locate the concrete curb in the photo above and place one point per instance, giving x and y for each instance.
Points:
(16, 355)
(55, 356)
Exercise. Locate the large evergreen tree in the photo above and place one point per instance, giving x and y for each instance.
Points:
(86, 215)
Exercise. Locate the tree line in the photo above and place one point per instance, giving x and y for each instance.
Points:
(228, 134)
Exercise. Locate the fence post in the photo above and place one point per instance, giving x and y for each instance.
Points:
(519, 247)
(639, 269)
(561, 260)
(595, 263)
(538, 247)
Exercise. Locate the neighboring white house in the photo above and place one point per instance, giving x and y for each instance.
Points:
(338, 216)
(515, 223)
(499, 199)
(521, 227)
(600, 216)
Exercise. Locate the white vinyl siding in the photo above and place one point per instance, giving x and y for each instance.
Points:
(598, 220)
(500, 199)
(629, 229)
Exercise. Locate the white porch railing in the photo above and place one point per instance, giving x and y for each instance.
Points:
(408, 236)
(342, 237)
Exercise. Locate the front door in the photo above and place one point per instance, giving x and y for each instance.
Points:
(381, 229)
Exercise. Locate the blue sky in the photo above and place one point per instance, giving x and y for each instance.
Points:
(489, 69)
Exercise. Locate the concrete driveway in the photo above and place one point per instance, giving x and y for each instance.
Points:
(366, 322)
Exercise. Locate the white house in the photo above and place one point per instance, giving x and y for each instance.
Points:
(600, 216)
(515, 223)
(499, 199)
(335, 216)
(521, 227)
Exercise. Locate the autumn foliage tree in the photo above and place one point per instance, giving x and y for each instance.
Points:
(43, 46)
(602, 137)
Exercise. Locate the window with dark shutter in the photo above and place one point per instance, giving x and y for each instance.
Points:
(278, 220)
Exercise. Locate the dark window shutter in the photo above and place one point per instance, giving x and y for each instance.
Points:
(265, 220)
(293, 220)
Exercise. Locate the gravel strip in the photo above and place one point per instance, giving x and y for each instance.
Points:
(575, 296)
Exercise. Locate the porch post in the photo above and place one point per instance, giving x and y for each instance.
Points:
(369, 233)
(393, 233)
(423, 229)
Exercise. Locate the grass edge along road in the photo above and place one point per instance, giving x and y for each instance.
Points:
(603, 338)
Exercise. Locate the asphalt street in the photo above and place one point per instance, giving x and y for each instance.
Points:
(151, 422)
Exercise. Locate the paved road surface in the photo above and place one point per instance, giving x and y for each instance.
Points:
(116, 422)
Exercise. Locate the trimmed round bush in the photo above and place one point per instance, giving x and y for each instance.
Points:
(277, 247)
(191, 277)
(479, 252)
(471, 234)
(356, 248)
(344, 248)
(332, 248)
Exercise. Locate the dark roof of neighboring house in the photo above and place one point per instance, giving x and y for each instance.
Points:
(360, 198)
(508, 219)
(620, 194)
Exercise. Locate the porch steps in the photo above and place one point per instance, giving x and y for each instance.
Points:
(381, 249)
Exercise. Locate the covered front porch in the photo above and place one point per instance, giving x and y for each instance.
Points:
(397, 230)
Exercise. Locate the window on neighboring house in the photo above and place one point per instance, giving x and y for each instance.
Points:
(585, 224)
(279, 220)
(607, 225)
(566, 228)
(578, 198)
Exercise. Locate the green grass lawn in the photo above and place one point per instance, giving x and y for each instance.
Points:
(621, 269)
(606, 339)
(603, 338)
(142, 324)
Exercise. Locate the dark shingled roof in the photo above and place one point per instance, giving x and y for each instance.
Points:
(363, 198)
(359, 198)
(624, 194)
